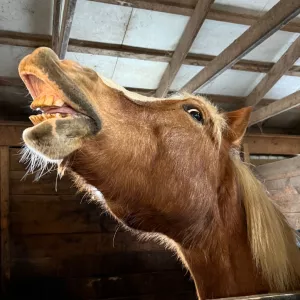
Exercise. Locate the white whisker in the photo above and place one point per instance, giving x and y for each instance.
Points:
(36, 164)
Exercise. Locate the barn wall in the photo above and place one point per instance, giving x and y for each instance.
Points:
(282, 179)
(63, 245)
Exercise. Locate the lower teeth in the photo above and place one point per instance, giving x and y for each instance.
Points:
(36, 119)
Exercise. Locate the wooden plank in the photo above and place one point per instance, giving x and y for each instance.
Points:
(287, 182)
(144, 286)
(287, 193)
(295, 181)
(244, 16)
(17, 200)
(288, 204)
(165, 283)
(273, 144)
(95, 264)
(64, 245)
(190, 32)
(286, 61)
(56, 24)
(49, 216)
(4, 200)
(98, 48)
(293, 219)
(66, 24)
(275, 108)
(281, 169)
(14, 160)
(258, 162)
(29, 40)
(161, 6)
(272, 296)
(11, 135)
(278, 184)
(48, 184)
(270, 22)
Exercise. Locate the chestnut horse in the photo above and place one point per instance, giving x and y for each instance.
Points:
(168, 169)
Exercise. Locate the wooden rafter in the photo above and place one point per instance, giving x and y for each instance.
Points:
(233, 101)
(97, 48)
(190, 32)
(56, 24)
(66, 24)
(238, 101)
(244, 16)
(275, 108)
(269, 23)
(275, 144)
(277, 71)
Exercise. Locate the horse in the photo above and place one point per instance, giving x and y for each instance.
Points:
(167, 169)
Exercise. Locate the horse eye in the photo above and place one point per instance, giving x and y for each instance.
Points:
(195, 113)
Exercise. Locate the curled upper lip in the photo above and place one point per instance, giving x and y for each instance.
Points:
(26, 79)
(44, 65)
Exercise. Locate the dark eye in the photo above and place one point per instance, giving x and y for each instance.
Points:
(195, 113)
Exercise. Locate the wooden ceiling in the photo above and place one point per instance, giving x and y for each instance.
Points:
(282, 16)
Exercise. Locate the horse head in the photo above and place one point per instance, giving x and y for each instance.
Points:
(164, 167)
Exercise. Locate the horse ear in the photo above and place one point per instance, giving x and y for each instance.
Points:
(237, 122)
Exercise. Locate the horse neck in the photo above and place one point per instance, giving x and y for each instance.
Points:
(222, 265)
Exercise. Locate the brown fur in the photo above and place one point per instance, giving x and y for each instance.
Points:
(164, 174)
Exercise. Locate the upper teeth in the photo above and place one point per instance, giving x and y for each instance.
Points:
(46, 100)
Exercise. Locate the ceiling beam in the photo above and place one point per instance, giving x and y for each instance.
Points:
(275, 108)
(234, 101)
(270, 22)
(21, 39)
(190, 32)
(66, 24)
(277, 71)
(275, 144)
(97, 48)
(56, 24)
(244, 16)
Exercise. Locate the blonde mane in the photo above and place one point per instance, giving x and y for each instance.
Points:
(272, 241)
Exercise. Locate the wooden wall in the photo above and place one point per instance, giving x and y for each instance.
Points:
(54, 245)
(62, 245)
(282, 179)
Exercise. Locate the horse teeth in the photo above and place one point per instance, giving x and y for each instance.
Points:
(36, 119)
(46, 100)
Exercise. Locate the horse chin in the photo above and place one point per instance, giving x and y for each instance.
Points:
(55, 139)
